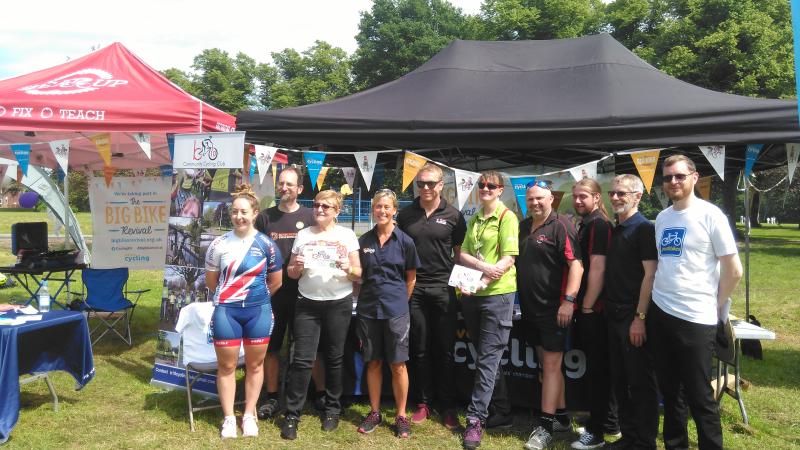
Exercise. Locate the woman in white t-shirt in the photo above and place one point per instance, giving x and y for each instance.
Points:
(325, 260)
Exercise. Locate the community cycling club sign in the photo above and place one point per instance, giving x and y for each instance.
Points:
(209, 150)
(79, 82)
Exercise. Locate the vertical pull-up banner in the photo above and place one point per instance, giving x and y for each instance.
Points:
(314, 162)
(366, 164)
(646, 162)
(751, 155)
(520, 185)
(792, 152)
(103, 143)
(61, 152)
(23, 154)
(411, 165)
(715, 154)
(796, 33)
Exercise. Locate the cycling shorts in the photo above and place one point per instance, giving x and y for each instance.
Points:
(232, 325)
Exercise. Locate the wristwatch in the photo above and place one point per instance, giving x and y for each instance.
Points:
(641, 315)
(569, 298)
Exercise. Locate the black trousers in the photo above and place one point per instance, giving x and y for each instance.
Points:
(313, 319)
(433, 333)
(592, 333)
(682, 353)
(634, 380)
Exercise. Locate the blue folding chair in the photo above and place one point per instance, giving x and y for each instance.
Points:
(107, 299)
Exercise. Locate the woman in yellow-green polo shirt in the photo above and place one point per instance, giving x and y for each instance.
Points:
(490, 246)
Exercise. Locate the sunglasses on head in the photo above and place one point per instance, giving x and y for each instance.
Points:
(619, 194)
(679, 177)
(427, 184)
(490, 186)
(324, 206)
(544, 184)
(388, 192)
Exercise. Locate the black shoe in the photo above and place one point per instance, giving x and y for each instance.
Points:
(499, 422)
(268, 409)
(319, 403)
(330, 422)
(289, 428)
(619, 444)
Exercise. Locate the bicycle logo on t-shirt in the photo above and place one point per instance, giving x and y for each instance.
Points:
(671, 241)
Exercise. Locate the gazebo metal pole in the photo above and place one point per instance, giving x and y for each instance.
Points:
(746, 249)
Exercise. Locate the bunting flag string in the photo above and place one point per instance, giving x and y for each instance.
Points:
(23, 154)
(715, 154)
(751, 155)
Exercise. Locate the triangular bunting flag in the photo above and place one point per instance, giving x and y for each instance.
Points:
(715, 154)
(557, 196)
(103, 143)
(323, 172)
(520, 185)
(3, 169)
(366, 164)
(143, 139)
(314, 161)
(61, 152)
(704, 187)
(646, 162)
(588, 170)
(465, 183)
(253, 167)
(274, 173)
(23, 154)
(19, 174)
(411, 165)
(751, 155)
(108, 174)
(264, 155)
(662, 197)
(171, 146)
(350, 176)
(792, 152)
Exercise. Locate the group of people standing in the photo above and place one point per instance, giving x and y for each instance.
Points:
(600, 276)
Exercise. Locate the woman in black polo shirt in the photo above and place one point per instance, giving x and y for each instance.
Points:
(389, 270)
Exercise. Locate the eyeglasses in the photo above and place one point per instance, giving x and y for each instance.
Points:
(619, 194)
(490, 186)
(325, 207)
(679, 177)
(544, 184)
(427, 184)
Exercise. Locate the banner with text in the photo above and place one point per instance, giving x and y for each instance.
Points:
(646, 162)
(129, 222)
(520, 185)
(411, 165)
(22, 152)
(209, 150)
(751, 155)
(314, 162)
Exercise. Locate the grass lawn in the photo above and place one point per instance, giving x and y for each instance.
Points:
(119, 409)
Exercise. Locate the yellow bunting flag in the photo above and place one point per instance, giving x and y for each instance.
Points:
(703, 187)
(103, 143)
(646, 162)
(108, 174)
(323, 171)
(411, 165)
(557, 196)
(274, 174)
(346, 190)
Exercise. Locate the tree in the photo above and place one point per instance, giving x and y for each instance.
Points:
(541, 19)
(397, 36)
(320, 73)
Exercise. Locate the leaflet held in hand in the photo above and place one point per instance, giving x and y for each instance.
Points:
(466, 279)
(320, 256)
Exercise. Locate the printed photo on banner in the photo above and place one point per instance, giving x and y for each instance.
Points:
(182, 286)
(184, 241)
(190, 188)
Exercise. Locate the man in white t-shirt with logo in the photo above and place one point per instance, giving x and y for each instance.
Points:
(698, 268)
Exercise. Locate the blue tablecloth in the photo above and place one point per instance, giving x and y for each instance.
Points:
(60, 341)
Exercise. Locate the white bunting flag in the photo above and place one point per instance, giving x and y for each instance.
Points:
(264, 155)
(792, 152)
(366, 163)
(715, 154)
(143, 139)
(465, 183)
(662, 196)
(61, 152)
(350, 176)
(3, 169)
(588, 170)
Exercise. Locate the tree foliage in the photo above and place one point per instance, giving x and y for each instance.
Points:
(540, 19)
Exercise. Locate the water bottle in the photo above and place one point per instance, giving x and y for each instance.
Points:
(44, 297)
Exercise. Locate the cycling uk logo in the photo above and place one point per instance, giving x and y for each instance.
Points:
(671, 241)
(86, 80)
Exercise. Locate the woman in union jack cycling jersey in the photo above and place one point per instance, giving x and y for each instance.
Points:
(243, 267)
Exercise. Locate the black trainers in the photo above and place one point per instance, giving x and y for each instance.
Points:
(268, 409)
(370, 422)
(589, 441)
(402, 427)
(319, 402)
(289, 428)
(499, 422)
(330, 422)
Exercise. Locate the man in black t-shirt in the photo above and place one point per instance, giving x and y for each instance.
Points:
(630, 271)
(438, 231)
(281, 223)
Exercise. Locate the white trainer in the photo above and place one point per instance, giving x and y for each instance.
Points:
(229, 428)
(249, 426)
